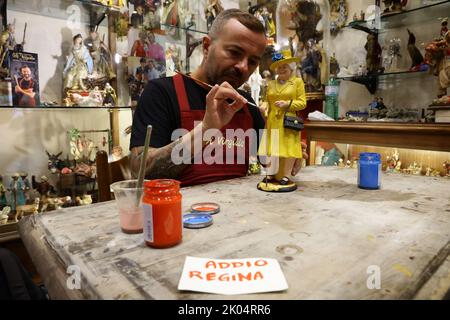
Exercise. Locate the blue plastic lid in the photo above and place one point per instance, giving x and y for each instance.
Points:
(197, 220)
(369, 156)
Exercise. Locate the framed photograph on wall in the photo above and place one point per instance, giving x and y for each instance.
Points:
(24, 73)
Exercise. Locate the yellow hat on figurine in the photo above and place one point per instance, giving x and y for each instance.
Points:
(282, 57)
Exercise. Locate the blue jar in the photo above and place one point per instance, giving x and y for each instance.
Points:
(369, 171)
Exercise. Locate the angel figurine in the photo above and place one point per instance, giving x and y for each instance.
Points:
(78, 66)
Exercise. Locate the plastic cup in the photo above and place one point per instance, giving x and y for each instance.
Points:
(130, 212)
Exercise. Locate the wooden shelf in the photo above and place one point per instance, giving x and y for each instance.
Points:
(9, 231)
(422, 136)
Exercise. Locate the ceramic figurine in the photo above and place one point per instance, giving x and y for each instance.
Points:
(414, 52)
(110, 96)
(4, 215)
(7, 43)
(334, 65)
(137, 17)
(116, 155)
(281, 145)
(310, 67)
(341, 163)
(213, 8)
(78, 67)
(43, 187)
(416, 169)
(255, 82)
(394, 55)
(362, 15)
(50, 204)
(393, 6)
(338, 15)
(446, 166)
(435, 56)
(373, 56)
(393, 162)
(84, 200)
(269, 24)
(17, 189)
(27, 185)
(444, 28)
(27, 209)
(3, 201)
(101, 56)
(348, 164)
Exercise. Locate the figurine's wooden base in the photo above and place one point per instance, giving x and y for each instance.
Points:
(276, 187)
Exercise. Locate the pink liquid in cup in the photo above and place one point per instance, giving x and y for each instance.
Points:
(131, 220)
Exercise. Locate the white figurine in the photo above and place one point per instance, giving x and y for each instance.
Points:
(255, 81)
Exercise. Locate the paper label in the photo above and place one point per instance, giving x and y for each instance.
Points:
(148, 222)
(232, 276)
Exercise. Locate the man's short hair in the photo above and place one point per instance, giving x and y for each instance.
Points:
(248, 20)
(24, 66)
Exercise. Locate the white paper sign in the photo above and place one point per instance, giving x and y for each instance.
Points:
(232, 276)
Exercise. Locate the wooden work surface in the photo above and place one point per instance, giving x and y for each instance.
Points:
(325, 236)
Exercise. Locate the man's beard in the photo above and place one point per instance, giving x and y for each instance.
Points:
(232, 75)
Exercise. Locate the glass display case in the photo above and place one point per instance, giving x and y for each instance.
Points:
(397, 59)
(385, 50)
(38, 55)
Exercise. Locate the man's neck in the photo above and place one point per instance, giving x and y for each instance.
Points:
(199, 75)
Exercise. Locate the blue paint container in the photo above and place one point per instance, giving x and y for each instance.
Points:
(369, 171)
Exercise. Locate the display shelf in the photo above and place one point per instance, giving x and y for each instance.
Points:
(421, 136)
(371, 81)
(185, 29)
(411, 16)
(63, 9)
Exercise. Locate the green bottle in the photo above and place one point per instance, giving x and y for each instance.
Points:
(332, 98)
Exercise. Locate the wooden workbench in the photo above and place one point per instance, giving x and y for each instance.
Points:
(325, 236)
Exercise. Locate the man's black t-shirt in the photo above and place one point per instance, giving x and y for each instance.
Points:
(158, 106)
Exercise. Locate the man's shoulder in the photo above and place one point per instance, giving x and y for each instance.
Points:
(165, 83)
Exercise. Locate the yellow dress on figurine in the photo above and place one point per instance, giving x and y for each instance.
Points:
(288, 142)
(282, 146)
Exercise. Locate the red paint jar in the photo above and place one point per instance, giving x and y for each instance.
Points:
(161, 204)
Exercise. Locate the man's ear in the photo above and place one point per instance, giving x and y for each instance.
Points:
(206, 43)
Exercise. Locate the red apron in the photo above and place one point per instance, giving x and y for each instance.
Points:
(204, 173)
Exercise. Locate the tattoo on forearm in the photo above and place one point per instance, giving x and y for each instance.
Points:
(159, 163)
(162, 165)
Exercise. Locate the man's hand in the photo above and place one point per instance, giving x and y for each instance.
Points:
(218, 111)
(298, 162)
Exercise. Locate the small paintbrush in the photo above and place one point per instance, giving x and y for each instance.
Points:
(207, 84)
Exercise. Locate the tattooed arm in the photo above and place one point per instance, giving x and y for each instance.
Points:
(159, 163)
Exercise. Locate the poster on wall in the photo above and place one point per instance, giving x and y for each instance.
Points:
(3, 14)
(24, 73)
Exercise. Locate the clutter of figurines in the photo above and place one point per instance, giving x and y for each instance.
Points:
(393, 164)
(88, 72)
(20, 197)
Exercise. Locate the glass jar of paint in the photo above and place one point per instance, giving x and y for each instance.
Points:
(161, 204)
(369, 171)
